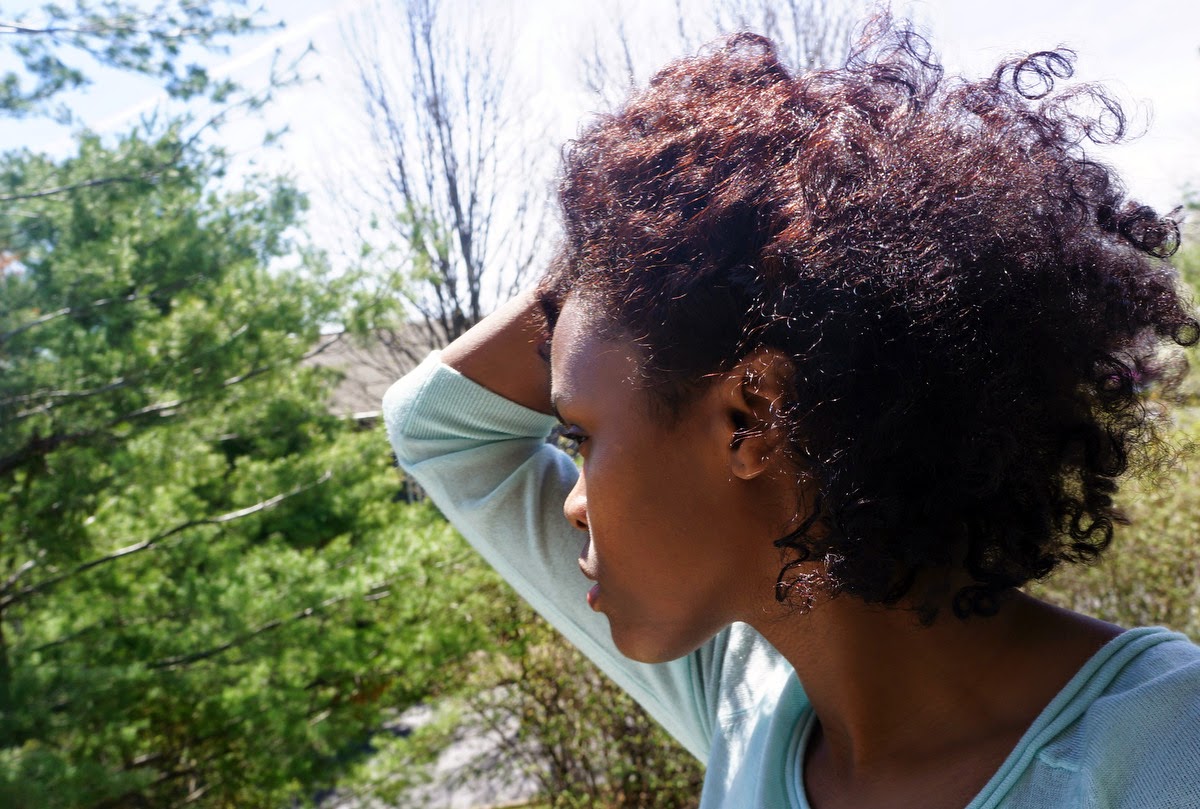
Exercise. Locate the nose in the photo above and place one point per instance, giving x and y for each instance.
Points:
(575, 506)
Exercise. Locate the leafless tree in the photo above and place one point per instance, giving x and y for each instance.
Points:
(459, 209)
(810, 34)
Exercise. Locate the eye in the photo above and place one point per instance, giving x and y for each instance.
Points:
(570, 439)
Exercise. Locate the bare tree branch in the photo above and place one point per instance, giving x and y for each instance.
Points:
(809, 34)
(12, 580)
(246, 637)
(63, 189)
(443, 114)
(9, 598)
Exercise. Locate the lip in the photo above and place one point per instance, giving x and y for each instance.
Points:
(586, 571)
(587, 567)
(587, 564)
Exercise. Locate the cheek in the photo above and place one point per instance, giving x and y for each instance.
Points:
(664, 491)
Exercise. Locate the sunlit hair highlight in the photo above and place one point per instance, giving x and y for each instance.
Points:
(974, 311)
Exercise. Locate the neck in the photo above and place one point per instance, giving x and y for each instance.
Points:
(890, 693)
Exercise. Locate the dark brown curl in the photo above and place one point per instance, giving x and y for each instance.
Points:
(974, 311)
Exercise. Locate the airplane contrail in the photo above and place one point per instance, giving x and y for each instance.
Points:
(236, 63)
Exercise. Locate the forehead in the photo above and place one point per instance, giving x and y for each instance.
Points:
(586, 362)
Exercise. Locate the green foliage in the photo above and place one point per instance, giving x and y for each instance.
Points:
(54, 43)
(1151, 573)
(1187, 260)
(1150, 576)
(206, 593)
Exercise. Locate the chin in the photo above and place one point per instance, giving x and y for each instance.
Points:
(641, 648)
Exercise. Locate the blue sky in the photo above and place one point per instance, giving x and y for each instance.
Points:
(1149, 55)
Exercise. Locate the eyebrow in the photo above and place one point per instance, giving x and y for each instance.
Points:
(559, 400)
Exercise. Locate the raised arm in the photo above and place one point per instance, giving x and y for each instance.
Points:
(501, 353)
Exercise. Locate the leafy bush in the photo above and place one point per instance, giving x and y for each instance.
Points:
(206, 595)
(583, 740)
(1151, 573)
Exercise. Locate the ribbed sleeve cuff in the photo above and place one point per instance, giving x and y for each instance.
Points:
(434, 396)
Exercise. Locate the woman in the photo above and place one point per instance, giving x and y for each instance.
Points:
(849, 357)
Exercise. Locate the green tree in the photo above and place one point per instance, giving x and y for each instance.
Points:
(206, 595)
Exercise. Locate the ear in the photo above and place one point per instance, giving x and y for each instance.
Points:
(756, 390)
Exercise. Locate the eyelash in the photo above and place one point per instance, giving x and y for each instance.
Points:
(573, 437)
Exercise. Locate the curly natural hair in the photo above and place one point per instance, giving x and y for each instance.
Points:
(975, 314)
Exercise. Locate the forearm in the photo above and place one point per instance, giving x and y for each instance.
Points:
(501, 354)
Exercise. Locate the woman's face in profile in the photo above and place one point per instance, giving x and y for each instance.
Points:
(675, 546)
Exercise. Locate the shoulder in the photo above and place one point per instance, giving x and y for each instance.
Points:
(1166, 663)
(1136, 739)
(748, 674)
(737, 678)
(1154, 687)
(760, 714)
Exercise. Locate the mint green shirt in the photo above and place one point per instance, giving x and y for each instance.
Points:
(1123, 734)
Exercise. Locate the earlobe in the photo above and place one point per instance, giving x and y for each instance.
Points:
(747, 456)
(747, 468)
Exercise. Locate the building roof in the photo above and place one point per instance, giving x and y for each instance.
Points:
(368, 365)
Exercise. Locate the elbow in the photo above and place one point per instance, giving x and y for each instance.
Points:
(401, 404)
